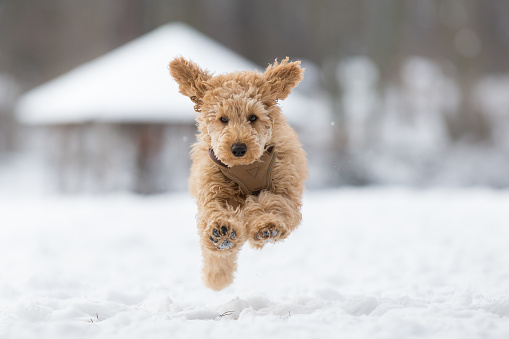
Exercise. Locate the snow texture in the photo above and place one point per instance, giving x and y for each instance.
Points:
(374, 263)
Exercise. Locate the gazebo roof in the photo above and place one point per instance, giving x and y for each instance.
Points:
(132, 83)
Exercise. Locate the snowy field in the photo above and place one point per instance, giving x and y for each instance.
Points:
(374, 263)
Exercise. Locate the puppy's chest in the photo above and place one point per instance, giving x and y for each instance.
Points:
(252, 178)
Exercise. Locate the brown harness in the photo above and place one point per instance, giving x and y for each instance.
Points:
(252, 178)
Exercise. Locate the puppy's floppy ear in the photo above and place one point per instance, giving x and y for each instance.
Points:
(282, 77)
(191, 79)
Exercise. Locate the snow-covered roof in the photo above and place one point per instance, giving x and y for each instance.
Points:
(132, 83)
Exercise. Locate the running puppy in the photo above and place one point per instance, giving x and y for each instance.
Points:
(248, 168)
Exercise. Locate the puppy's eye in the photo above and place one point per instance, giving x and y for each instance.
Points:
(253, 118)
(224, 120)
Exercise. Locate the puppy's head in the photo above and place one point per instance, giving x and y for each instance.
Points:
(236, 110)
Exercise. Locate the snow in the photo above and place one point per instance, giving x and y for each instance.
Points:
(132, 83)
(397, 134)
(371, 263)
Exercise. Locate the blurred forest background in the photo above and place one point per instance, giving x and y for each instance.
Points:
(418, 90)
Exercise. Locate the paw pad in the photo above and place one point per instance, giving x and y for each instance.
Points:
(265, 234)
(269, 233)
(223, 237)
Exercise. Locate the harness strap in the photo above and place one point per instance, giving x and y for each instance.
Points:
(252, 178)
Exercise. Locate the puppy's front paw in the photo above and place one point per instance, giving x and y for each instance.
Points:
(222, 236)
(264, 234)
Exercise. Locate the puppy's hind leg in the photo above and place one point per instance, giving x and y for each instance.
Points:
(218, 268)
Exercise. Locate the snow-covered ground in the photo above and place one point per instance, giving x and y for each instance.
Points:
(373, 263)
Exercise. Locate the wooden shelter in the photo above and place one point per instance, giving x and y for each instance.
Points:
(119, 123)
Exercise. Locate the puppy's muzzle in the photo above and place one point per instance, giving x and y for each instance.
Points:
(239, 150)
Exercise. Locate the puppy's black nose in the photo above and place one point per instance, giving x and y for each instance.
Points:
(239, 150)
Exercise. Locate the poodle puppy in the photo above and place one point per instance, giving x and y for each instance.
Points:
(248, 166)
